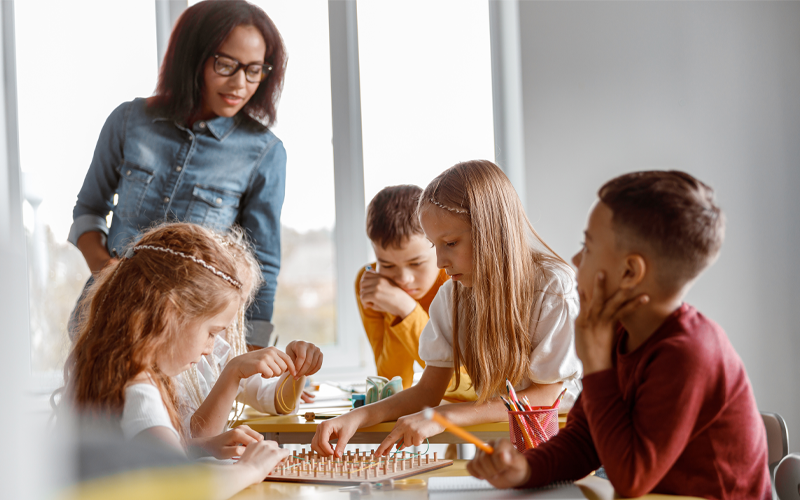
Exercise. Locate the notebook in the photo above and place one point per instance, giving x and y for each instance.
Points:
(470, 488)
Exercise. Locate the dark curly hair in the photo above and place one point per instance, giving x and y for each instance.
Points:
(197, 35)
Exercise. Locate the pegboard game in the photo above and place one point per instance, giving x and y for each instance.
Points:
(353, 468)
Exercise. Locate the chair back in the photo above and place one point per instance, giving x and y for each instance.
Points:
(777, 439)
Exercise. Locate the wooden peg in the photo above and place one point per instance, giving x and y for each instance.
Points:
(434, 457)
(427, 458)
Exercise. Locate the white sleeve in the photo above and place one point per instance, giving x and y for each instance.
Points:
(553, 358)
(436, 339)
(259, 392)
(144, 409)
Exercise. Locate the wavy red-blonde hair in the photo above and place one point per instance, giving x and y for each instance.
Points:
(137, 308)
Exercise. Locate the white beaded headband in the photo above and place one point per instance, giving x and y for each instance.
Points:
(131, 252)
(452, 209)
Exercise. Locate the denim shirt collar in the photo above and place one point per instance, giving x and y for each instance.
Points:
(219, 127)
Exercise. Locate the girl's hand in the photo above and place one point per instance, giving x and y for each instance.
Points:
(307, 397)
(269, 362)
(410, 430)
(340, 428)
(261, 458)
(228, 444)
(306, 357)
(597, 321)
(505, 468)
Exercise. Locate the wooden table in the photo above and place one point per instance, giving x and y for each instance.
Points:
(293, 429)
(592, 487)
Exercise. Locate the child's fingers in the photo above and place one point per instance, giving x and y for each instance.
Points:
(317, 363)
(251, 433)
(622, 298)
(630, 306)
(286, 359)
(321, 441)
(386, 445)
(598, 296)
(310, 362)
(476, 467)
(489, 468)
(340, 445)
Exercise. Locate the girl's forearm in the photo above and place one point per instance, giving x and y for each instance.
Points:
(231, 479)
(211, 417)
(494, 410)
(405, 402)
(463, 414)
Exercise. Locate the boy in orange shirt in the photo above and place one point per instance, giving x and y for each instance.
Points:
(666, 405)
(394, 294)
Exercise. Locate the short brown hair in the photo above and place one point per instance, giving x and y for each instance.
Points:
(392, 215)
(673, 214)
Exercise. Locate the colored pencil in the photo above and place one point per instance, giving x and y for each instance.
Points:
(458, 431)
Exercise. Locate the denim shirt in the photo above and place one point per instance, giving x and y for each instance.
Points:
(219, 172)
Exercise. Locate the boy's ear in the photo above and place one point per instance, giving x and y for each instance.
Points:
(634, 271)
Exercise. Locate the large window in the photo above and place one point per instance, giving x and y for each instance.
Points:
(305, 305)
(426, 88)
(425, 100)
(76, 61)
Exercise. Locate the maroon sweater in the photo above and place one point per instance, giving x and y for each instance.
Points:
(675, 416)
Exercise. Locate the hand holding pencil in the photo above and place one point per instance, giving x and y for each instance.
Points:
(504, 468)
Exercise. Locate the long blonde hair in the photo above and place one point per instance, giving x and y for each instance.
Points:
(495, 312)
(240, 250)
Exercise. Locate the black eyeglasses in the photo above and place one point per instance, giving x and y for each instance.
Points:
(228, 66)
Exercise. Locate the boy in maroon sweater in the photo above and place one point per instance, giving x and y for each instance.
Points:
(666, 405)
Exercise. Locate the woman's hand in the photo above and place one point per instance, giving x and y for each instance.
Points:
(504, 468)
(226, 445)
(410, 430)
(261, 458)
(340, 428)
(268, 362)
(306, 357)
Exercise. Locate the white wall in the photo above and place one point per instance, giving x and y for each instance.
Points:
(712, 88)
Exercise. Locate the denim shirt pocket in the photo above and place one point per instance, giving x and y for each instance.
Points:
(213, 207)
(134, 181)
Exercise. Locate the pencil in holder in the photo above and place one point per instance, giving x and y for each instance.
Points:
(529, 429)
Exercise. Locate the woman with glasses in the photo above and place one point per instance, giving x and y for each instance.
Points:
(199, 150)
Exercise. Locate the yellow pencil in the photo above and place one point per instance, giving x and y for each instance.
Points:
(458, 431)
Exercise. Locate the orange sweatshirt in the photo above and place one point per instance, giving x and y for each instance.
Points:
(395, 342)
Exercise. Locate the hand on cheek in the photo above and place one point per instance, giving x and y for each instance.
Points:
(380, 294)
(597, 322)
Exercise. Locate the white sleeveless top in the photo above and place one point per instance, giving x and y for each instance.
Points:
(144, 409)
(552, 330)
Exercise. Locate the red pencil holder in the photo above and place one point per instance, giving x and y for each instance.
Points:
(529, 429)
